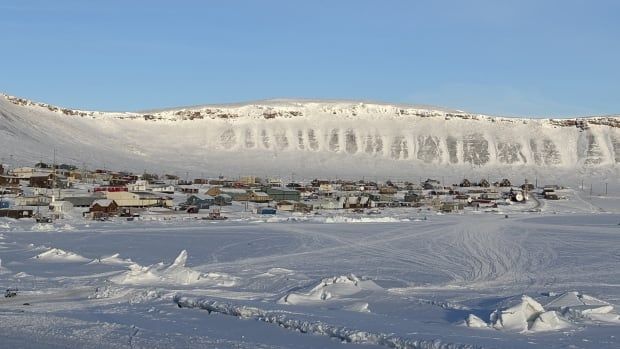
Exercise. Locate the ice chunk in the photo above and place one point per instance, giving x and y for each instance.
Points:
(519, 317)
(548, 321)
(174, 274)
(475, 322)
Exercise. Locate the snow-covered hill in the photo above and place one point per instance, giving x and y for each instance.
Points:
(311, 138)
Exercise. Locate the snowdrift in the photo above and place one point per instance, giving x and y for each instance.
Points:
(58, 255)
(114, 259)
(174, 274)
(530, 316)
(344, 219)
(334, 289)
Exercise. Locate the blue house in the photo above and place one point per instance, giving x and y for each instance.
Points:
(201, 201)
(266, 210)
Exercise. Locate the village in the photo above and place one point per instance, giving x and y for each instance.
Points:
(47, 192)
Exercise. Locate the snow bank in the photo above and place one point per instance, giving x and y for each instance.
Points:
(331, 289)
(112, 260)
(344, 219)
(341, 333)
(174, 274)
(21, 274)
(42, 227)
(58, 255)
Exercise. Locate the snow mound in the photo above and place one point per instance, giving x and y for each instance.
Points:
(58, 255)
(333, 288)
(67, 227)
(576, 306)
(174, 274)
(344, 219)
(526, 316)
(21, 274)
(43, 227)
(360, 307)
(112, 260)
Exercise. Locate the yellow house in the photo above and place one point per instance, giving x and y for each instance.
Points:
(139, 199)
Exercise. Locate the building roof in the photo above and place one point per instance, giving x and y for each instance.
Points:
(202, 197)
(103, 202)
(81, 200)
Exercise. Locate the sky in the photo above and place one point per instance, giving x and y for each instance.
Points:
(512, 58)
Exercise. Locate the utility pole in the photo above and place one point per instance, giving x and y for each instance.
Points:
(605, 188)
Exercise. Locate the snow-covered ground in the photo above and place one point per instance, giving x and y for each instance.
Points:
(505, 279)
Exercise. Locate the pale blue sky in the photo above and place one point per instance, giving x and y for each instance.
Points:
(545, 58)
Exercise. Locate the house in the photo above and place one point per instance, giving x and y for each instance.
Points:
(235, 194)
(201, 201)
(266, 210)
(166, 189)
(326, 189)
(258, 196)
(41, 180)
(222, 200)
(32, 201)
(430, 184)
(188, 189)
(139, 199)
(280, 194)
(356, 202)
(4, 204)
(9, 181)
(293, 206)
(102, 208)
(16, 213)
(139, 185)
(110, 189)
(389, 190)
(451, 207)
(465, 183)
(412, 197)
(24, 172)
(247, 180)
(81, 201)
(484, 183)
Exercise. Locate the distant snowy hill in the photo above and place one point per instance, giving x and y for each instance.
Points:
(312, 138)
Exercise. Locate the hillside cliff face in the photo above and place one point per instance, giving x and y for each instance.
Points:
(283, 136)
